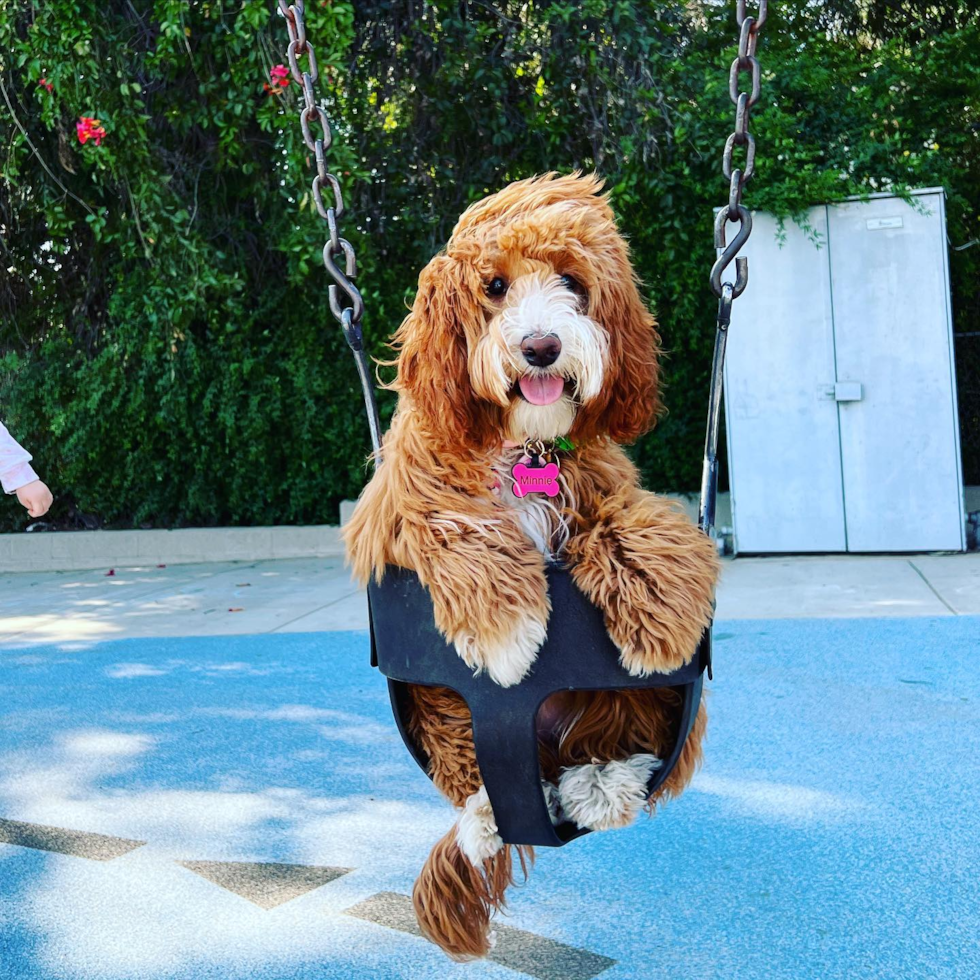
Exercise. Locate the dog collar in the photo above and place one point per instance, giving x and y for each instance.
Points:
(560, 444)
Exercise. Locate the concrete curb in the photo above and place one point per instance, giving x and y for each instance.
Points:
(77, 550)
(71, 551)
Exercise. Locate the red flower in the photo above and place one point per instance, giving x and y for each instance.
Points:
(279, 76)
(44, 83)
(90, 129)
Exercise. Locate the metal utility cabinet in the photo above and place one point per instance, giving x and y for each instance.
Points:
(840, 393)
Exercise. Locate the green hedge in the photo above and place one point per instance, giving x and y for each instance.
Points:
(166, 350)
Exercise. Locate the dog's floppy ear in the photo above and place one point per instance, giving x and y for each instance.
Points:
(433, 355)
(630, 400)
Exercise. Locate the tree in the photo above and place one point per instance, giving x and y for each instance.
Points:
(165, 345)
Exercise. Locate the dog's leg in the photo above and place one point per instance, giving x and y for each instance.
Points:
(652, 573)
(476, 829)
(634, 729)
(604, 796)
(464, 879)
(485, 578)
(490, 599)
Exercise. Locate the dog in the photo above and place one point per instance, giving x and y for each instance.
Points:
(528, 333)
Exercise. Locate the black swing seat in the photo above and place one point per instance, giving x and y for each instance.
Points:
(577, 655)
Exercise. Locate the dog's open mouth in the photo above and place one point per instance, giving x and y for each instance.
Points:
(541, 389)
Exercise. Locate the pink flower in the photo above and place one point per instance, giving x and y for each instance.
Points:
(44, 83)
(90, 129)
(279, 76)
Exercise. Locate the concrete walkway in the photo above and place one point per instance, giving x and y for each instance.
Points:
(316, 594)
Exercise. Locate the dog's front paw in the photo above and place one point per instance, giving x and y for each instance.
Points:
(507, 658)
(604, 796)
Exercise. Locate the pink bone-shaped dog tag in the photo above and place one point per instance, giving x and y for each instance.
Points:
(536, 479)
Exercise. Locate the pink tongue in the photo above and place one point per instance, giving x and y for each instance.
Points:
(542, 390)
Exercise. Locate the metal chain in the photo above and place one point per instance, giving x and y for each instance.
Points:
(745, 62)
(349, 316)
(727, 291)
(737, 177)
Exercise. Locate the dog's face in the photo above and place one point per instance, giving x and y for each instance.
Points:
(531, 326)
(541, 355)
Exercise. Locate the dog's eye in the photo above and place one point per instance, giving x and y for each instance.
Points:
(572, 284)
(497, 286)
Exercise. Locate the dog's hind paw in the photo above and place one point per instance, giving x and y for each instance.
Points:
(604, 796)
(476, 831)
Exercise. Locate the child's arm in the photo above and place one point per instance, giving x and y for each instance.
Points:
(18, 476)
(15, 463)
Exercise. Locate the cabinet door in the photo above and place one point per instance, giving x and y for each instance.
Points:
(783, 442)
(898, 423)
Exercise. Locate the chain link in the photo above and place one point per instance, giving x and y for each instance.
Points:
(348, 314)
(745, 63)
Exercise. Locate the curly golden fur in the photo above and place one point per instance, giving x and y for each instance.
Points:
(541, 259)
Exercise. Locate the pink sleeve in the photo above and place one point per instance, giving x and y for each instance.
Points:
(15, 463)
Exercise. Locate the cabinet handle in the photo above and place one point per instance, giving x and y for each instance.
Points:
(848, 391)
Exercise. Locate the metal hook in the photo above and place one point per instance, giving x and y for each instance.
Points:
(342, 279)
(731, 251)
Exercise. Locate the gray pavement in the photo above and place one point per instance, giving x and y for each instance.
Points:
(317, 594)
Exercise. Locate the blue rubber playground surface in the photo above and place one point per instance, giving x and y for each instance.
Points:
(241, 807)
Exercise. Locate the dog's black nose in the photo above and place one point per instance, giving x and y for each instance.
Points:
(541, 351)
